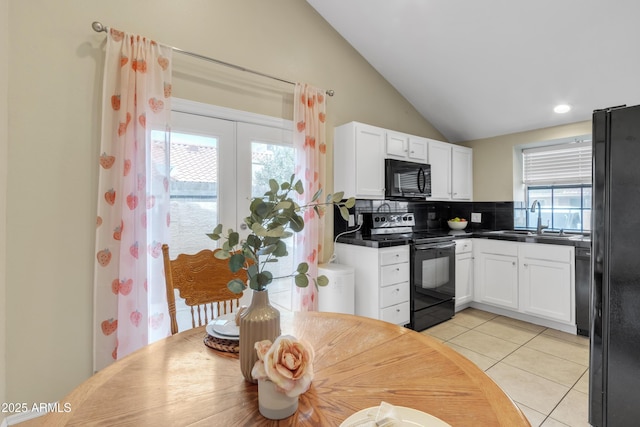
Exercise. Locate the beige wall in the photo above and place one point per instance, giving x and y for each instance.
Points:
(4, 140)
(493, 158)
(54, 93)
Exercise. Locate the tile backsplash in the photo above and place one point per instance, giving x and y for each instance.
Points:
(434, 215)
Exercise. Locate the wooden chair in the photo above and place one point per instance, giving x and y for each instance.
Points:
(202, 281)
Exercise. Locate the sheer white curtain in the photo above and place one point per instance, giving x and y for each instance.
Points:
(309, 115)
(130, 307)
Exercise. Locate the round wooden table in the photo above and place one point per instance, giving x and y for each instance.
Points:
(359, 362)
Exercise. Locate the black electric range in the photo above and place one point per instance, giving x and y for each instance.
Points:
(432, 281)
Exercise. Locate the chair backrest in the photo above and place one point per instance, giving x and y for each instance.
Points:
(202, 281)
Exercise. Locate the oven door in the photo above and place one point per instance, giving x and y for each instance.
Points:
(432, 283)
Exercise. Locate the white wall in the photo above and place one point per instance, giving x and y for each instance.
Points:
(4, 141)
(54, 92)
(493, 159)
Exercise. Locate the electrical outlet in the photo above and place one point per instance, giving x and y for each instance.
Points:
(476, 217)
(352, 220)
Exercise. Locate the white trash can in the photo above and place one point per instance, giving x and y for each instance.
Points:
(339, 295)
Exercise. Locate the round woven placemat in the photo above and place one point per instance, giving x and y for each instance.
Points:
(229, 346)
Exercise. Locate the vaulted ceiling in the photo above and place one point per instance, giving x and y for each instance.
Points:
(477, 69)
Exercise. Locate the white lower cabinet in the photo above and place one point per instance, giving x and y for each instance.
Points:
(381, 280)
(526, 278)
(464, 274)
(496, 279)
(546, 276)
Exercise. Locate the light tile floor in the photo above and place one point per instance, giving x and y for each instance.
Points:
(543, 370)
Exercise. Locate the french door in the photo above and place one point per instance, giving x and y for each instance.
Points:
(220, 159)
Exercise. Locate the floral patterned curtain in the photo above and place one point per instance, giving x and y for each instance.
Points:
(130, 308)
(309, 112)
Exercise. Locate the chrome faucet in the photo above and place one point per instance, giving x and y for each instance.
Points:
(533, 210)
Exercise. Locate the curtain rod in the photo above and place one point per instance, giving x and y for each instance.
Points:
(99, 28)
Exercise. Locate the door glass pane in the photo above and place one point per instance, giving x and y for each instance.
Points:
(194, 192)
(274, 161)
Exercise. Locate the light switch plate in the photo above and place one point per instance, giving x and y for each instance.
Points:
(476, 217)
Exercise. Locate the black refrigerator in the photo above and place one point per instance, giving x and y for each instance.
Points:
(614, 365)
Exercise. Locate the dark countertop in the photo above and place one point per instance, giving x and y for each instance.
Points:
(386, 242)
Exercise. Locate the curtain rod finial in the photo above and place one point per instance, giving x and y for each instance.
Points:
(98, 27)
(330, 92)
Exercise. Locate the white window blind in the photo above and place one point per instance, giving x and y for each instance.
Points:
(557, 164)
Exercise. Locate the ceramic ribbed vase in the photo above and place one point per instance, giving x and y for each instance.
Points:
(260, 321)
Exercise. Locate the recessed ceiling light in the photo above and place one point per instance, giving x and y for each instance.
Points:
(562, 108)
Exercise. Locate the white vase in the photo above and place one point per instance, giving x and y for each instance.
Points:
(274, 404)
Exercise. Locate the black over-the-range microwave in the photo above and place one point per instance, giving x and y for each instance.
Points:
(407, 180)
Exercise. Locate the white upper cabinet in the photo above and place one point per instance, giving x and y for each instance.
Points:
(451, 171)
(461, 173)
(360, 150)
(418, 149)
(406, 147)
(397, 145)
(440, 161)
(358, 166)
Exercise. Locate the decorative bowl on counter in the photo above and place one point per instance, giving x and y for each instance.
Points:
(460, 224)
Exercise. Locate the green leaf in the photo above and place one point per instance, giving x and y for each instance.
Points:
(337, 196)
(267, 250)
(276, 232)
(296, 223)
(213, 236)
(303, 267)
(258, 229)
(302, 281)
(351, 202)
(273, 186)
(344, 212)
(221, 254)
(236, 286)
(299, 187)
(281, 249)
(218, 229)
(252, 270)
(285, 204)
(322, 281)
(254, 242)
(263, 279)
(236, 262)
(317, 195)
(234, 238)
(259, 209)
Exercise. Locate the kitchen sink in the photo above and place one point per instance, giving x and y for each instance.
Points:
(543, 235)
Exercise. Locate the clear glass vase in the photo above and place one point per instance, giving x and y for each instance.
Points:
(260, 321)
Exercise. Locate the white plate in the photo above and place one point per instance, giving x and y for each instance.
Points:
(224, 327)
(409, 416)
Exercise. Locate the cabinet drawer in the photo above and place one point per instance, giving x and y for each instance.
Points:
(394, 255)
(394, 294)
(463, 245)
(396, 273)
(398, 314)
